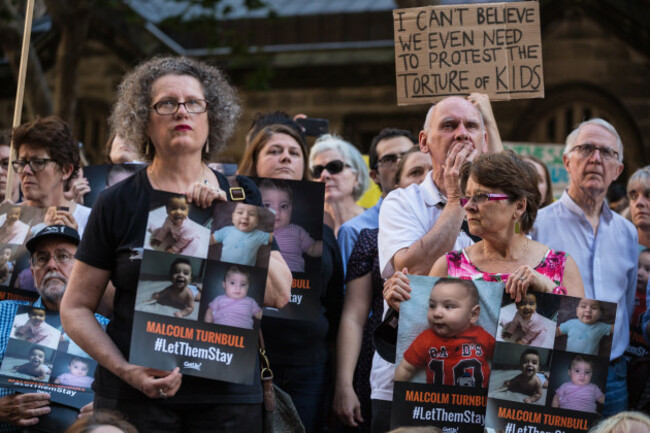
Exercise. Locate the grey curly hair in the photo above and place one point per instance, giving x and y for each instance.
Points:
(130, 115)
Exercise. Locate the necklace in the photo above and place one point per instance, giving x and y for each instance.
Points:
(507, 258)
(201, 178)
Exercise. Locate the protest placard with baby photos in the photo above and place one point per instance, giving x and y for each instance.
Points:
(298, 231)
(445, 340)
(103, 176)
(201, 288)
(17, 225)
(549, 369)
(40, 357)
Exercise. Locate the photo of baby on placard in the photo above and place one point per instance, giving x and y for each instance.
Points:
(520, 373)
(12, 229)
(28, 361)
(233, 297)
(32, 327)
(170, 228)
(15, 222)
(445, 343)
(585, 326)
(73, 371)
(293, 240)
(578, 382)
(7, 263)
(170, 285)
(530, 321)
(242, 234)
(454, 349)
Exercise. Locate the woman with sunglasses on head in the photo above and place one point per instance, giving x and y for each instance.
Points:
(341, 167)
(47, 161)
(298, 350)
(179, 112)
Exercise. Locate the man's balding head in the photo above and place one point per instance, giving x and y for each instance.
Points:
(452, 121)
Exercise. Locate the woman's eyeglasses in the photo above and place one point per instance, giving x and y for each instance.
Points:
(36, 164)
(193, 106)
(332, 167)
(482, 197)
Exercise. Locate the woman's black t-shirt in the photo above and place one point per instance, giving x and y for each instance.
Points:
(113, 240)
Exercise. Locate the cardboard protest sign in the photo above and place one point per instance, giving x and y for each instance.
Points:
(298, 231)
(492, 48)
(549, 369)
(451, 360)
(201, 287)
(39, 357)
(103, 176)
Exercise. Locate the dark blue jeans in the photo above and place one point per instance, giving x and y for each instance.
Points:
(310, 389)
(156, 415)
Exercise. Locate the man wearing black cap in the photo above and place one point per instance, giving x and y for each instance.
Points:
(52, 256)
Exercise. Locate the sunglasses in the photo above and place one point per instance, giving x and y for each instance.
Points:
(332, 167)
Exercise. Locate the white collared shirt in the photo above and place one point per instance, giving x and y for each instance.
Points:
(406, 215)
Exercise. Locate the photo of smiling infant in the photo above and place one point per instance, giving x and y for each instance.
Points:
(529, 321)
(585, 326)
(520, 373)
(242, 234)
(170, 228)
(169, 285)
(26, 360)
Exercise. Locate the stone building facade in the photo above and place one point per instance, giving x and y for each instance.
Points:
(335, 60)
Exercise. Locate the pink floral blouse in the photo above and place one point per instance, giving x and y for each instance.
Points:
(459, 266)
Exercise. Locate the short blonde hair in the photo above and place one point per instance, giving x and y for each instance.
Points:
(622, 422)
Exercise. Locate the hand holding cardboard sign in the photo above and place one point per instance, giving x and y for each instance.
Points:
(397, 289)
(154, 383)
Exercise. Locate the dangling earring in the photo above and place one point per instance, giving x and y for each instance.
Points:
(207, 146)
(147, 149)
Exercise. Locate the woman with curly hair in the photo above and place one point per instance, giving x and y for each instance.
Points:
(178, 112)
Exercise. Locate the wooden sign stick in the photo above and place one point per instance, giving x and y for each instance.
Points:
(20, 90)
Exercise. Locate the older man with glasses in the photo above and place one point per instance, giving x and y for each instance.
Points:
(603, 243)
(52, 256)
(47, 160)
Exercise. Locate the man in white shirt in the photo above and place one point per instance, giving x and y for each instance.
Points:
(420, 223)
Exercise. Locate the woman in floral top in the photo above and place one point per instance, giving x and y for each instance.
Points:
(501, 194)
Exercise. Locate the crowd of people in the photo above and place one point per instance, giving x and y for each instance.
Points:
(454, 204)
